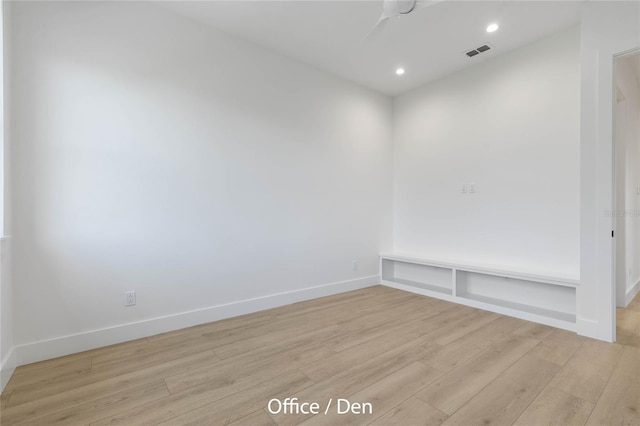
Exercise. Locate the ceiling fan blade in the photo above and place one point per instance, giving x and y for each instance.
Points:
(377, 28)
(420, 4)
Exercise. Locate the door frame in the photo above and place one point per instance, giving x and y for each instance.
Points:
(614, 144)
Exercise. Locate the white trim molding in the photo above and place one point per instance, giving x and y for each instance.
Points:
(608, 29)
(632, 292)
(7, 367)
(586, 327)
(65, 345)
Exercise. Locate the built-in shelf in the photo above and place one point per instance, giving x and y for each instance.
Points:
(544, 298)
(426, 277)
(561, 316)
(423, 286)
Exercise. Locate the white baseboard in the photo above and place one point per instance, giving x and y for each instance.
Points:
(7, 367)
(631, 293)
(65, 345)
(587, 328)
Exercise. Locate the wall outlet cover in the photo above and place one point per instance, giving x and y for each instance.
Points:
(129, 298)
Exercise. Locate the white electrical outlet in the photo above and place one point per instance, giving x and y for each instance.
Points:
(129, 298)
(472, 188)
(354, 265)
(463, 189)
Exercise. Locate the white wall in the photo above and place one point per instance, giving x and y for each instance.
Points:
(510, 125)
(155, 154)
(628, 135)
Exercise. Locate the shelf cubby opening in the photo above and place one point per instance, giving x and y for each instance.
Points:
(548, 300)
(426, 277)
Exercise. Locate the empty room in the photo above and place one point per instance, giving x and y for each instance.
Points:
(298, 212)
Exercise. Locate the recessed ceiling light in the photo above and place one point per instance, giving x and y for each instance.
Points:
(492, 28)
(400, 71)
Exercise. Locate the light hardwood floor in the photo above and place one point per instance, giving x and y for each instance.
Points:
(418, 361)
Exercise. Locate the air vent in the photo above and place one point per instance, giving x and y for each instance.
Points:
(478, 50)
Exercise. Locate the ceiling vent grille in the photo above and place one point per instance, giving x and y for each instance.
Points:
(478, 50)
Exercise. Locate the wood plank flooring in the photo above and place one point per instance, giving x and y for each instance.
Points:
(416, 360)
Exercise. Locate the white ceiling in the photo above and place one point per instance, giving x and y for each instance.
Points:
(429, 43)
